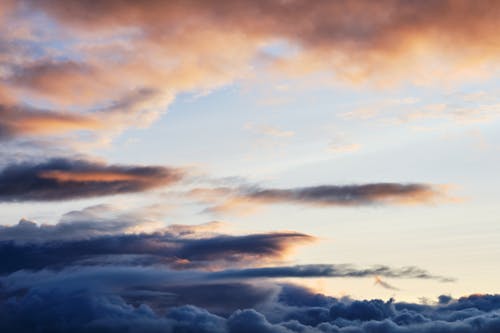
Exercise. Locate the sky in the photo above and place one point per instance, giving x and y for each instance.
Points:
(249, 166)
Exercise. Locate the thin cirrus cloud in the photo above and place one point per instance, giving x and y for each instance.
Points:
(64, 179)
(226, 199)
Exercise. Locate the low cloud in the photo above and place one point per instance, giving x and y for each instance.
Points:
(90, 302)
(65, 179)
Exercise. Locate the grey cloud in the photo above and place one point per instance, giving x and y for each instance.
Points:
(64, 179)
(341, 271)
(79, 305)
(144, 249)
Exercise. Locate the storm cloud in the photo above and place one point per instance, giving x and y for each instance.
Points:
(64, 179)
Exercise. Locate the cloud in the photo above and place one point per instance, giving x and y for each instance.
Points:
(74, 60)
(383, 284)
(269, 130)
(64, 179)
(339, 271)
(72, 307)
(93, 222)
(221, 298)
(164, 288)
(18, 121)
(25, 247)
(228, 199)
(136, 108)
(460, 108)
(356, 38)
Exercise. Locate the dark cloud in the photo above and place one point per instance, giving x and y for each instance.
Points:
(219, 298)
(29, 231)
(79, 242)
(328, 271)
(74, 307)
(247, 198)
(139, 249)
(95, 221)
(64, 179)
(346, 195)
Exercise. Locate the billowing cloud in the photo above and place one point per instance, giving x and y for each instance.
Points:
(64, 179)
(90, 222)
(29, 303)
(248, 197)
(159, 287)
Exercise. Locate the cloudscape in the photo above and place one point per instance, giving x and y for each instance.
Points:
(274, 166)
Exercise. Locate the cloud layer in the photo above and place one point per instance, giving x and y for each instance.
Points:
(43, 304)
(91, 273)
(72, 66)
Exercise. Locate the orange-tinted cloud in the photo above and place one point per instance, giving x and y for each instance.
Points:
(123, 61)
(246, 200)
(64, 179)
(15, 121)
(353, 39)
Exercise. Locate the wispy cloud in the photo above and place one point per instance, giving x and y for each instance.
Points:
(247, 198)
(269, 130)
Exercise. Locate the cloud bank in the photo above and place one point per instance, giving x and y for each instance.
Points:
(46, 306)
